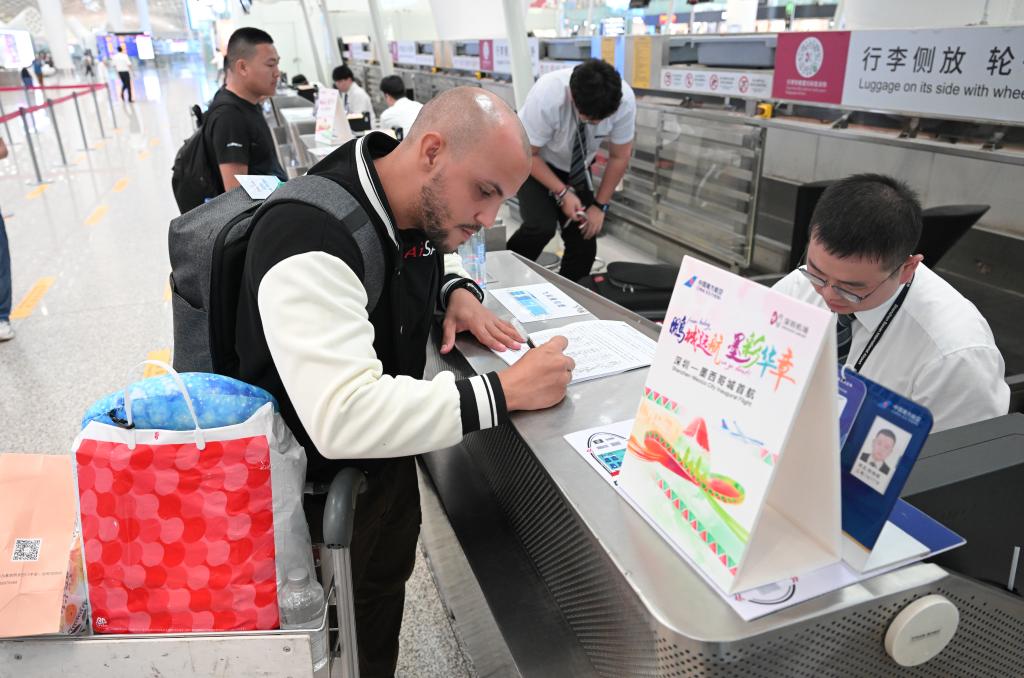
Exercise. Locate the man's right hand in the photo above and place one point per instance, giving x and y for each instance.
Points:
(539, 378)
(572, 206)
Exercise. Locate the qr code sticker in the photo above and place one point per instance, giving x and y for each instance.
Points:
(26, 550)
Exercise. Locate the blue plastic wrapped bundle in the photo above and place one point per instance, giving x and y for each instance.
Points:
(157, 403)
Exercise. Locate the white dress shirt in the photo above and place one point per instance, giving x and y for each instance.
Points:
(938, 351)
(121, 62)
(356, 101)
(401, 114)
(550, 120)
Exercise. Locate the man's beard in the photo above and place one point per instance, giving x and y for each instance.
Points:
(434, 213)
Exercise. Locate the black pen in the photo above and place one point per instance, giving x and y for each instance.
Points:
(522, 331)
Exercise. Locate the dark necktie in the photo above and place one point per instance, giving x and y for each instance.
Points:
(844, 335)
(578, 167)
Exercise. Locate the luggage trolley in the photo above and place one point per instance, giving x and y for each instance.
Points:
(236, 654)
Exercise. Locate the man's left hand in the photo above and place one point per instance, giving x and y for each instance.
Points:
(595, 221)
(465, 312)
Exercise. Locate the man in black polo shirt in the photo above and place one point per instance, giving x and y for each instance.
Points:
(350, 386)
(238, 134)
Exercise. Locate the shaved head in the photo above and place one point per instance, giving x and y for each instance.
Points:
(466, 117)
(464, 156)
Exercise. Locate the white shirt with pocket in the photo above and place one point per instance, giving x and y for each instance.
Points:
(402, 115)
(550, 120)
(938, 351)
(356, 101)
(121, 62)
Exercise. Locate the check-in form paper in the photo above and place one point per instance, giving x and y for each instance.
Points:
(601, 347)
(543, 301)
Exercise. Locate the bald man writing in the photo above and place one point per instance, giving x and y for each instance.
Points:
(349, 385)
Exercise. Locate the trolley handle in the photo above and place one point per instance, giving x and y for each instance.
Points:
(340, 511)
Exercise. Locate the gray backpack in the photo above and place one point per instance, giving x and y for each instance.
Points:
(207, 248)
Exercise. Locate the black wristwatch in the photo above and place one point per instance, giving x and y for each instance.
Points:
(603, 206)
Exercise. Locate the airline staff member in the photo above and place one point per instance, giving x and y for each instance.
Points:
(567, 115)
(353, 97)
(402, 111)
(898, 322)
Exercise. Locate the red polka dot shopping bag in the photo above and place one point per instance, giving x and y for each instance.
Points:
(180, 527)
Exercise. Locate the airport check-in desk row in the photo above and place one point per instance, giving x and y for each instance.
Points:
(579, 584)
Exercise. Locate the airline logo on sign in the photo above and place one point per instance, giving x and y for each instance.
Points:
(811, 67)
(809, 56)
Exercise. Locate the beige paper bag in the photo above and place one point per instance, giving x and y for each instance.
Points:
(42, 583)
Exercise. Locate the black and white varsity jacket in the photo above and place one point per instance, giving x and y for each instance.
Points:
(350, 386)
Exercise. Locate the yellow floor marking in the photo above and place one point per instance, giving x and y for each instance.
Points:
(167, 291)
(32, 299)
(97, 215)
(98, 145)
(121, 185)
(164, 356)
(143, 155)
(37, 191)
(154, 142)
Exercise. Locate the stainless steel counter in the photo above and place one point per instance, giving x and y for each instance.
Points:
(633, 606)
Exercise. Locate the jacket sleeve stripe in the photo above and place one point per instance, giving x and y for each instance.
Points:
(483, 401)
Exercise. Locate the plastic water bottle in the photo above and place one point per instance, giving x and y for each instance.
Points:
(302, 608)
(474, 257)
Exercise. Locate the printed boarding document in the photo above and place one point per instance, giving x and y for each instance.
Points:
(543, 301)
(601, 347)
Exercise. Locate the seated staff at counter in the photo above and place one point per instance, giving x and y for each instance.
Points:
(353, 97)
(898, 323)
(567, 115)
(350, 386)
(237, 132)
(402, 111)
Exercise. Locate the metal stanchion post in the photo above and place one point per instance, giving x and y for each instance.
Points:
(3, 114)
(81, 125)
(56, 130)
(28, 102)
(113, 117)
(31, 149)
(99, 119)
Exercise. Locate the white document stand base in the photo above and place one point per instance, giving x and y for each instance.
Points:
(894, 546)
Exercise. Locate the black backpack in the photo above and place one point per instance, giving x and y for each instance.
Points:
(195, 177)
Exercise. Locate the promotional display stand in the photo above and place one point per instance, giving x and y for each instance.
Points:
(332, 128)
(734, 455)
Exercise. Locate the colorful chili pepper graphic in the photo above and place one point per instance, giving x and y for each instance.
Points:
(692, 465)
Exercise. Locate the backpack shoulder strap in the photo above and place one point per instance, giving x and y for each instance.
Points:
(329, 196)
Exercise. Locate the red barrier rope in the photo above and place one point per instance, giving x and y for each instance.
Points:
(17, 114)
(82, 86)
(63, 99)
